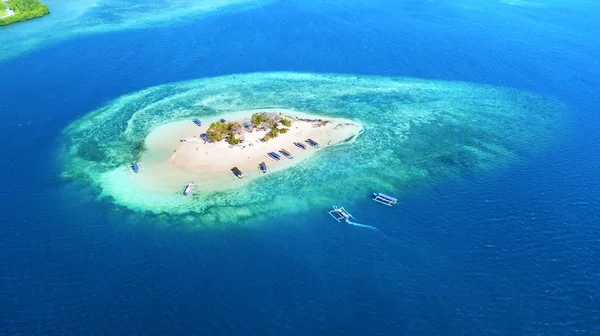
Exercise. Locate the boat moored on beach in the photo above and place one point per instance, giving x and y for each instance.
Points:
(313, 143)
(190, 188)
(197, 122)
(189, 140)
(136, 167)
(237, 173)
(286, 154)
(384, 199)
(274, 156)
(300, 145)
(264, 167)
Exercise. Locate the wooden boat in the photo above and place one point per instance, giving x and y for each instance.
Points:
(197, 122)
(340, 214)
(384, 199)
(286, 154)
(263, 167)
(237, 172)
(274, 156)
(135, 167)
(313, 143)
(300, 145)
(189, 188)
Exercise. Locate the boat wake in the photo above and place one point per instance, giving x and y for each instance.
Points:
(342, 215)
(364, 226)
(372, 228)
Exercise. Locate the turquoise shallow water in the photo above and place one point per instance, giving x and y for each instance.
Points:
(71, 19)
(507, 248)
(416, 132)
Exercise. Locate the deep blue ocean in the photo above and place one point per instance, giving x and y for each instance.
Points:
(513, 251)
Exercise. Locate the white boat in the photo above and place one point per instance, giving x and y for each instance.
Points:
(190, 140)
(340, 214)
(384, 199)
(135, 167)
(189, 188)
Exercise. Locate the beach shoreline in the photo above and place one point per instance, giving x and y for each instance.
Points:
(176, 154)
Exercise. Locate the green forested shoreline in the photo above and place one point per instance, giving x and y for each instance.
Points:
(24, 10)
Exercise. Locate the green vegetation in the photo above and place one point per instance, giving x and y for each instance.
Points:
(258, 118)
(24, 10)
(271, 121)
(218, 131)
(274, 132)
(232, 139)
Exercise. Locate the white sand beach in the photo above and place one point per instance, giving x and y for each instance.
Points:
(170, 162)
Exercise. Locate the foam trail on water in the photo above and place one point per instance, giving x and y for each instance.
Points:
(374, 229)
(363, 225)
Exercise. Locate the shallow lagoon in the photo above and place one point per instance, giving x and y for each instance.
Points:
(416, 131)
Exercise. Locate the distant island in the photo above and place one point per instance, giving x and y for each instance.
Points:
(12, 11)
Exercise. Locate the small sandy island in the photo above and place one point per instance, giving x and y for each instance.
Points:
(227, 152)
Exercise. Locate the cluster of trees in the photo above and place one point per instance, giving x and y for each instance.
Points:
(274, 132)
(272, 121)
(229, 131)
(24, 10)
(258, 119)
(218, 131)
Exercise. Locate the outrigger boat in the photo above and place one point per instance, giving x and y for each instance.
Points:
(313, 143)
(340, 214)
(286, 154)
(300, 145)
(135, 167)
(274, 156)
(197, 122)
(190, 188)
(237, 173)
(264, 168)
(384, 199)
(189, 140)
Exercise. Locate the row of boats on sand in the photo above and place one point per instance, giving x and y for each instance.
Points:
(190, 188)
(277, 157)
(263, 167)
(338, 214)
